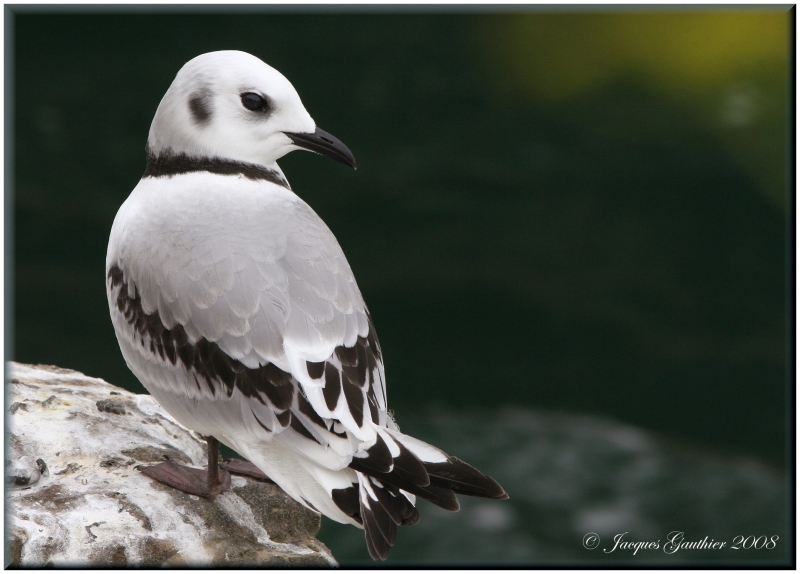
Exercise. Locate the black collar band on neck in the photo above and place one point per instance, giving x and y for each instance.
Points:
(168, 163)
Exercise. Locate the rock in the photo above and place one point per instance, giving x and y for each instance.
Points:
(74, 497)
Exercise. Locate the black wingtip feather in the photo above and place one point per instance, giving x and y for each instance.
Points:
(377, 545)
(462, 478)
(384, 521)
(412, 518)
(378, 458)
(440, 496)
(397, 505)
(408, 467)
(373, 552)
(387, 501)
(348, 501)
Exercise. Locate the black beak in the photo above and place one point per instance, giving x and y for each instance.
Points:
(323, 143)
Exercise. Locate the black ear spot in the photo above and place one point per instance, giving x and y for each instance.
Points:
(200, 106)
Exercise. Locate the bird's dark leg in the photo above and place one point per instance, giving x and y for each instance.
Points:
(218, 480)
(244, 468)
(207, 483)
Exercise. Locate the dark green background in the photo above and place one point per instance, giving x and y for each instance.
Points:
(601, 254)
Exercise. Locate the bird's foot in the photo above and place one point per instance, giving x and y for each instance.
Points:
(244, 468)
(186, 479)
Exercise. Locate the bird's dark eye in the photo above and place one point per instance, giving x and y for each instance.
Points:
(253, 102)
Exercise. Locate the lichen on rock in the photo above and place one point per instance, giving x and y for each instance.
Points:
(74, 497)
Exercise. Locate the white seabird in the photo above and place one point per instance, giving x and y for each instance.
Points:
(235, 307)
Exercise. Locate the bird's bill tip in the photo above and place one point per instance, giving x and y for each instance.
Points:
(321, 142)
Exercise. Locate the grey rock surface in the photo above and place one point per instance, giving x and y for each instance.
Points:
(74, 497)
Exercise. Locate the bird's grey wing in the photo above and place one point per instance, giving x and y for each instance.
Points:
(253, 303)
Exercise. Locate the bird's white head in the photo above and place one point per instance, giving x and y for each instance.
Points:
(231, 105)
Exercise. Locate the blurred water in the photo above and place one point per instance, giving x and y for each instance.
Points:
(568, 475)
